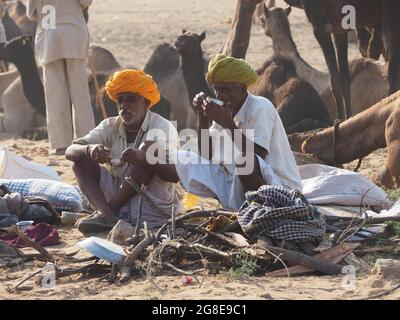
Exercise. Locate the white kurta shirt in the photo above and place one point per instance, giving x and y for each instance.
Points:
(258, 115)
(69, 39)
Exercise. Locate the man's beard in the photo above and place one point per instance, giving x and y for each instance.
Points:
(128, 117)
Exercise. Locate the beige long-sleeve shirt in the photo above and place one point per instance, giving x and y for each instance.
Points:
(70, 37)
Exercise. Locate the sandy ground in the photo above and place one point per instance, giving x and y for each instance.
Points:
(131, 30)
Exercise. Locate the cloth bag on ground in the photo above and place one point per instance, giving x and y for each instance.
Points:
(63, 196)
(14, 208)
(13, 166)
(280, 214)
(329, 185)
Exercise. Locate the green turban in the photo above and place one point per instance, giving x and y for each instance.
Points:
(227, 69)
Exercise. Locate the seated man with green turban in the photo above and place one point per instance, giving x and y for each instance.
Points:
(259, 141)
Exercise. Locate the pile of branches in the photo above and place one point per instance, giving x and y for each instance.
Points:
(207, 242)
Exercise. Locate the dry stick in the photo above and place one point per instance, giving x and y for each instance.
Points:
(379, 220)
(204, 214)
(27, 278)
(179, 246)
(335, 255)
(384, 293)
(343, 234)
(158, 234)
(183, 272)
(310, 262)
(363, 221)
(356, 230)
(139, 216)
(132, 256)
(74, 260)
(386, 249)
(194, 230)
(277, 257)
(227, 242)
(210, 250)
(173, 223)
(91, 268)
(230, 226)
(46, 255)
(192, 215)
(140, 192)
(113, 274)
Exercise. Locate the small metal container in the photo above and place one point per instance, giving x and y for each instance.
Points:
(24, 225)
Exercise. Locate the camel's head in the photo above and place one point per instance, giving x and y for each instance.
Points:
(17, 50)
(311, 143)
(274, 19)
(189, 43)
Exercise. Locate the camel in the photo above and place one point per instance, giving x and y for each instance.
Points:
(368, 39)
(6, 78)
(238, 39)
(193, 63)
(370, 43)
(326, 17)
(22, 119)
(377, 127)
(363, 72)
(260, 8)
(103, 60)
(20, 52)
(17, 12)
(11, 31)
(18, 115)
(11, 28)
(298, 104)
(165, 67)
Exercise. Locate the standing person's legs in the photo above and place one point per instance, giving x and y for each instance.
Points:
(58, 106)
(83, 116)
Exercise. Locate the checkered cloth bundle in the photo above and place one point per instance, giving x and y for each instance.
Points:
(280, 214)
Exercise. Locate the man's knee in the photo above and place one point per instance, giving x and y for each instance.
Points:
(86, 167)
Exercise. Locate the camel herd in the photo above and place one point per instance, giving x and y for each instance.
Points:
(308, 100)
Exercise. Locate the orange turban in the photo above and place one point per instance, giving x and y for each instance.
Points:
(135, 81)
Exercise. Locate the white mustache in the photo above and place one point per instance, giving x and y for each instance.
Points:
(126, 112)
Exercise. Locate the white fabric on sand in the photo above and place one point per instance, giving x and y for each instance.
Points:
(203, 178)
(329, 185)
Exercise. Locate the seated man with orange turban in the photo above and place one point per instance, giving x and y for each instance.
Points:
(105, 158)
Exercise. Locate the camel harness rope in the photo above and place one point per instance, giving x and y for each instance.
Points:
(335, 142)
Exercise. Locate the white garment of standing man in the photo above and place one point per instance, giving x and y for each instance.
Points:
(63, 52)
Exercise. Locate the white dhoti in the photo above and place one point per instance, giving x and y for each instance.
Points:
(206, 179)
(66, 82)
